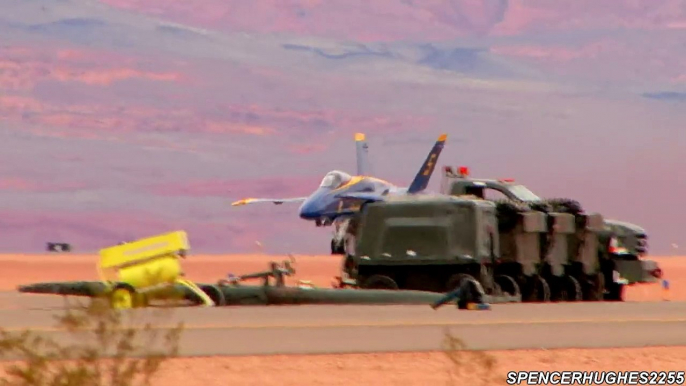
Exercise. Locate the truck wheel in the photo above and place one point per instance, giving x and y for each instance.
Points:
(508, 285)
(380, 282)
(539, 290)
(570, 289)
(456, 280)
(594, 288)
(616, 292)
(496, 291)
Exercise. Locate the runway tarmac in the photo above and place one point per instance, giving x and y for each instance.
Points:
(348, 329)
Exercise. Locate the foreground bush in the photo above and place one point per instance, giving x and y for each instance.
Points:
(95, 345)
(478, 366)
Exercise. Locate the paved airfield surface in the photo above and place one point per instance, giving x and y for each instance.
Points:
(347, 329)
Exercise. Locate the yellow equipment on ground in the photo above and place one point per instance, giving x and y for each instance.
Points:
(143, 269)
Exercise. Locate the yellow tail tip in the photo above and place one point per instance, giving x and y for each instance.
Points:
(359, 137)
(443, 137)
(240, 202)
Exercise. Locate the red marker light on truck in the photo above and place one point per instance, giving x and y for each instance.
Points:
(507, 180)
(464, 171)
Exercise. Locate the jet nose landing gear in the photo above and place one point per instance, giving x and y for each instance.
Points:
(337, 247)
(323, 222)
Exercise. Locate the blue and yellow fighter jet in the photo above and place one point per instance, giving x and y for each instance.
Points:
(340, 195)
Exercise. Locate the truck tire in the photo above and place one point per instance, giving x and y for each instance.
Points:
(594, 288)
(615, 292)
(538, 289)
(572, 289)
(457, 280)
(508, 285)
(380, 282)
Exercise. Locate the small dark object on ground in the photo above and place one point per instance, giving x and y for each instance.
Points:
(58, 247)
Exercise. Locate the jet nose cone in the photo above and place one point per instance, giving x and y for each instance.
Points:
(309, 210)
(313, 208)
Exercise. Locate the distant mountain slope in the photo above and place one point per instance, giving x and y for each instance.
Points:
(417, 20)
(120, 118)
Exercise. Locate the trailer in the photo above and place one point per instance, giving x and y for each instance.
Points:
(236, 290)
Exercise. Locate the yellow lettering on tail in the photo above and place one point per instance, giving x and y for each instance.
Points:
(429, 165)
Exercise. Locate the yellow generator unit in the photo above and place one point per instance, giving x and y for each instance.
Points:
(141, 269)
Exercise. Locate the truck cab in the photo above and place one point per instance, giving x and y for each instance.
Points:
(458, 184)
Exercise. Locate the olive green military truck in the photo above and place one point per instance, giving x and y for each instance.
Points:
(424, 243)
(625, 243)
(433, 242)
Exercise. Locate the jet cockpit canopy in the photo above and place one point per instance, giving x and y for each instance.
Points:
(334, 179)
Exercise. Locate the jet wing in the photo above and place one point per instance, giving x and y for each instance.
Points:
(365, 196)
(275, 201)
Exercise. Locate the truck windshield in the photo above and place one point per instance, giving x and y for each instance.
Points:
(523, 193)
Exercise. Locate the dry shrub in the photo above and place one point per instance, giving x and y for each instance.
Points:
(95, 345)
(477, 366)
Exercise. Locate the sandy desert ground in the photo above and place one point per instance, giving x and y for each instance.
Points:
(356, 369)
(23, 269)
(411, 369)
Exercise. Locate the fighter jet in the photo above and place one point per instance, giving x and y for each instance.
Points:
(340, 195)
